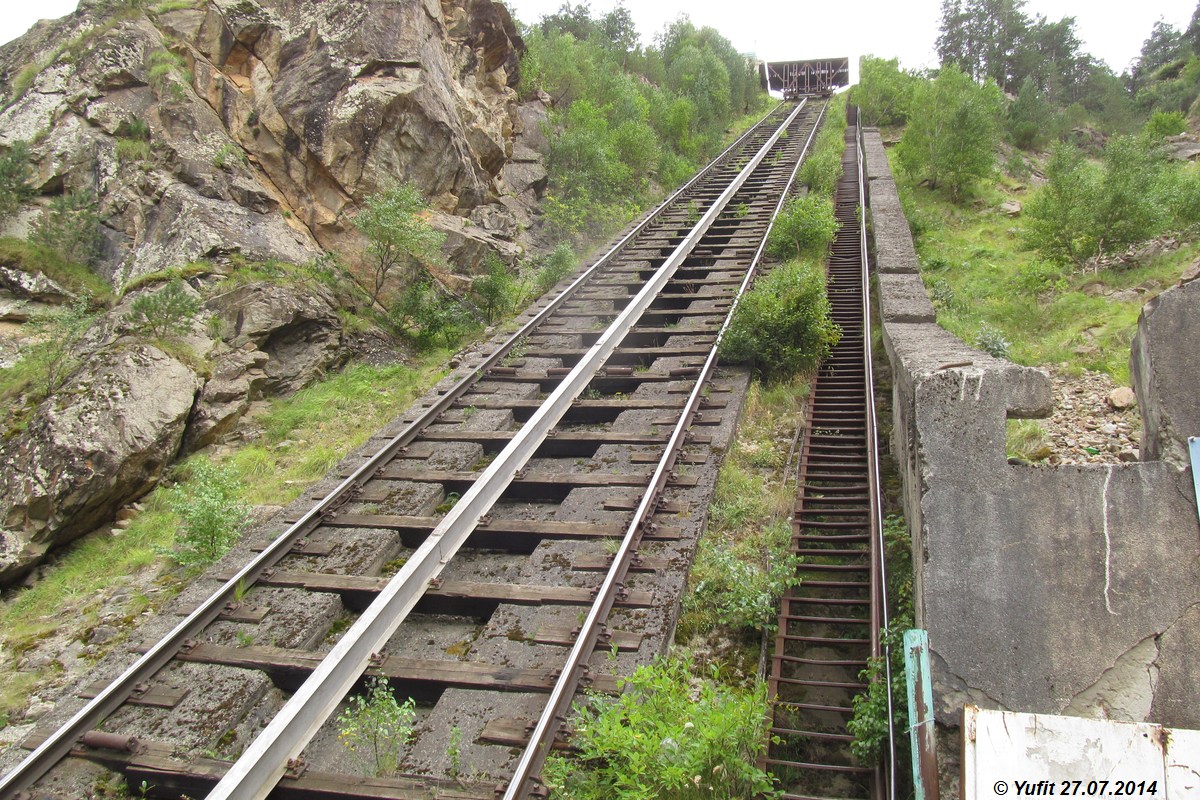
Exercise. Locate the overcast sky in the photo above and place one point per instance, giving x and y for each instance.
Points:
(784, 30)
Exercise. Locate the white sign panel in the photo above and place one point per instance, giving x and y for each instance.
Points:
(1009, 756)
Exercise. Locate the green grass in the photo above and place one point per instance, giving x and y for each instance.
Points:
(308, 433)
(747, 530)
(979, 273)
(77, 278)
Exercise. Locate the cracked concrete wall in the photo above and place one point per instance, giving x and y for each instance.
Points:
(1067, 589)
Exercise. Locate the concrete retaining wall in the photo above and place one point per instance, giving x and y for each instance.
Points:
(1045, 589)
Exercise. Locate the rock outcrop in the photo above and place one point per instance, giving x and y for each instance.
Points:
(259, 126)
(100, 442)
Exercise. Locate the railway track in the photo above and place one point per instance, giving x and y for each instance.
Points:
(829, 623)
(483, 561)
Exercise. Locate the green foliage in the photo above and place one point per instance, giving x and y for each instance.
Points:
(15, 172)
(133, 150)
(742, 585)
(23, 80)
(1027, 440)
(1083, 210)
(953, 131)
(627, 119)
(430, 315)
(396, 230)
(870, 722)
(823, 165)
(884, 92)
(554, 268)
(1058, 218)
(992, 341)
(782, 326)
(70, 227)
(166, 312)
(1165, 123)
(375, 727)
(804, 227)
(48, 359)
(668, 736)
(497, 289)
(211, 512)
(1030, 117)
(226, 152)
(167, 73)
(77, 278)
(869, 726)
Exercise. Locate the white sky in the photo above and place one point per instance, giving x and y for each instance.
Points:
(783, 30)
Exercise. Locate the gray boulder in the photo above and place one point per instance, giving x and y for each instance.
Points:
(296, 328)
(102, 441)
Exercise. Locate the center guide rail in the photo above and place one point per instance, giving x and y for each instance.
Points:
(259, 768)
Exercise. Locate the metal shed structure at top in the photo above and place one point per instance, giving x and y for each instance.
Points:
(819, 76)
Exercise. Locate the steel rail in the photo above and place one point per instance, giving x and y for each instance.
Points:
(263, 763)
(59, 744)
(879, 596)
(542, 738)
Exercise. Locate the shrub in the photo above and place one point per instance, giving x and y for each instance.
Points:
(557, 266)
(497, 289)
(228, 151)
(884, 91)
(782, 325)
(51, 356)
(1165, 123)
(396, 230)
(953, 131)
(70, 227)
(15, 173)
(992, 342)
(430, 316)
(668, 735)
(211, 514)
(132, 150)
(166, 312)
(374, 727)
(805, 226)
(869, 725)
(744, 594)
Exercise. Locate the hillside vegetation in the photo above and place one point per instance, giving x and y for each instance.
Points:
(629, 121)
(1040, 186)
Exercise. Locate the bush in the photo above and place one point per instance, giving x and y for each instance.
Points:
(952, 132)
(992, 342)
(166, 312)
(870, 723)
(557, 266)
(497, 290)
(70, 227)
(782, 325)
(884, 92)
(669, 736)
(430, 316)
(805, 226)
(744, 594)
(1165, 123)
(132, 150)
(211, 514)
(50, 358)
(375, 727)
(15, 173)
(393, 222)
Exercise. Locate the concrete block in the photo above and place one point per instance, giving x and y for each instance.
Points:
(902, 298)
(1166, 375)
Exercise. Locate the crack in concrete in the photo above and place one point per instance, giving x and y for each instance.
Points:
(1107, 545)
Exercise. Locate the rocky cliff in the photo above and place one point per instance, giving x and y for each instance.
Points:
(225, 132)
(259, 126)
